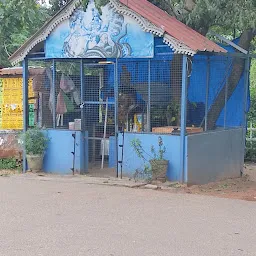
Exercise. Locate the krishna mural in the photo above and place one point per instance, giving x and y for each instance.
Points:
(91, 35)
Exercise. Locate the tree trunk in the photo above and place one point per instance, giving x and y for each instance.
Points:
(233, 80)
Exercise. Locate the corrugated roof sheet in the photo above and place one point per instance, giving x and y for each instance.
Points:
(172, 26)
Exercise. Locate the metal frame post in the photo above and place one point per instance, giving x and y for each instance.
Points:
(25, 74)
(149, 98)
(183, 117)
(82, 91)
(84, 164)
(54, 93)
(116, 114)
(207, 93)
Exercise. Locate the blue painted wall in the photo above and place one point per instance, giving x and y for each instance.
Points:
(112, 152)
(58, 157)
(132, 162)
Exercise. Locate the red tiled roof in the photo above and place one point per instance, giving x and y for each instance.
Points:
(172, 26)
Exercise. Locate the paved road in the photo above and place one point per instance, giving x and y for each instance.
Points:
(69, 219)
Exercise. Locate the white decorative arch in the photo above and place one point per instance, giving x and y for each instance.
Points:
(44, 32)
(146, 25)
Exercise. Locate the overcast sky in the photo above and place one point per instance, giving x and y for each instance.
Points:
(45, 1)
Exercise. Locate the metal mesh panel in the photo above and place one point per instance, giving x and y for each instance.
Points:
(198, 93)
(149, 95)
(133, 95)
(235, 94)
(216, 93)
(99, 112)
(68, 95)
(41, 75)
(57, 87)
(165, 94)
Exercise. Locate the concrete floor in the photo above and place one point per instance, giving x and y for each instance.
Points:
(70, 218)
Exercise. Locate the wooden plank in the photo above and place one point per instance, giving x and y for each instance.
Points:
(170, 129)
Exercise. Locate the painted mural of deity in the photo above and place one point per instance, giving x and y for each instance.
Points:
(98, 38)
(90, 34)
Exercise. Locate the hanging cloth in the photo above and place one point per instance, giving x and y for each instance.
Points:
(68, 86)
(61, 107)
(51, 98)
(68, 103)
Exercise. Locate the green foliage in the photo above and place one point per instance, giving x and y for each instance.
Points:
(9, 164)
(250, 153)
(159, 155)
(19, 19)
(203, 15)
(172, 113)
(58, 4)
(140, 151)
(252, 113)
(237, 14)
(147, 171)
(35, 141)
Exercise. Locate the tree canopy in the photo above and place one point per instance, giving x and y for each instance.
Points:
(19, 19)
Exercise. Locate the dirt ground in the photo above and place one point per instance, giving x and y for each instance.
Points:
(243, 188)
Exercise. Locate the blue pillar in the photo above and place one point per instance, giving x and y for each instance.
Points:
(54, 93)
(116, 114)
(183, 118)
(84, 138)
(82, 93)
(25, 75)
(149, 98)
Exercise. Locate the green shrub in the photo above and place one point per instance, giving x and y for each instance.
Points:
(250, 153)
(35, 141)
(8, 164)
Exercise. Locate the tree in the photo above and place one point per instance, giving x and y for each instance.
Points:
(19, 19)
(56, 5)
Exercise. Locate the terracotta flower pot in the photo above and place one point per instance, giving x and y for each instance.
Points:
(35, 162)
(159, 169)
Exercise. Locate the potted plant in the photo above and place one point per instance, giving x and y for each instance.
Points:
(35, 143)
(157, 162)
